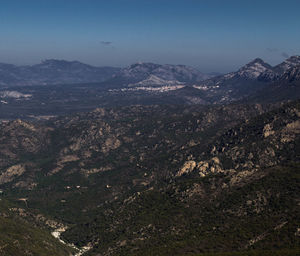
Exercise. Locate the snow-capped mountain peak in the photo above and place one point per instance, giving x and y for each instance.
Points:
(289, 63)
(154, 80)
(138, 71)
(254, 69)
(149, 72)
(292, 74)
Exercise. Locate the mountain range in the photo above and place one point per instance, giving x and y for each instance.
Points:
(149, 74)
(51, 72)
(151, 160)
(140, 74)
(249, 80)
(143, 83)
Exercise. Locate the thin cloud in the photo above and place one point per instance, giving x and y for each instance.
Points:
(106, 43)
(275, 50)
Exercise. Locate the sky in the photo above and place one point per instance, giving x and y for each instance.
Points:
(211, 35)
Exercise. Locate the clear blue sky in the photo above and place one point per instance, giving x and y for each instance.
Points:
(213, 35)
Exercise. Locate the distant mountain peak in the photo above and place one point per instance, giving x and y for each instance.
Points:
(55, 61)
(61, 63)
(144, 64)
(53, 71)
(293, 60)
(294, 57)
(289, 63)
(145, 73)
(257, 60)
(254, 69)
(292, 74)
(154, 80)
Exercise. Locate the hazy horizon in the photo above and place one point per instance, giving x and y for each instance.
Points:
(73, 60)
(214, 36)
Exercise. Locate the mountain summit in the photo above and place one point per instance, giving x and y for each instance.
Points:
(292, 74)
(53, 71)
(291, 62)
(254, 69)
(249, 79)
(167, 73)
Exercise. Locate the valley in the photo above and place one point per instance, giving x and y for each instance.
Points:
(138, 179)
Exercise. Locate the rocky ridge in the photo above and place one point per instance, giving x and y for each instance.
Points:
(256, 77)
(133, 179)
